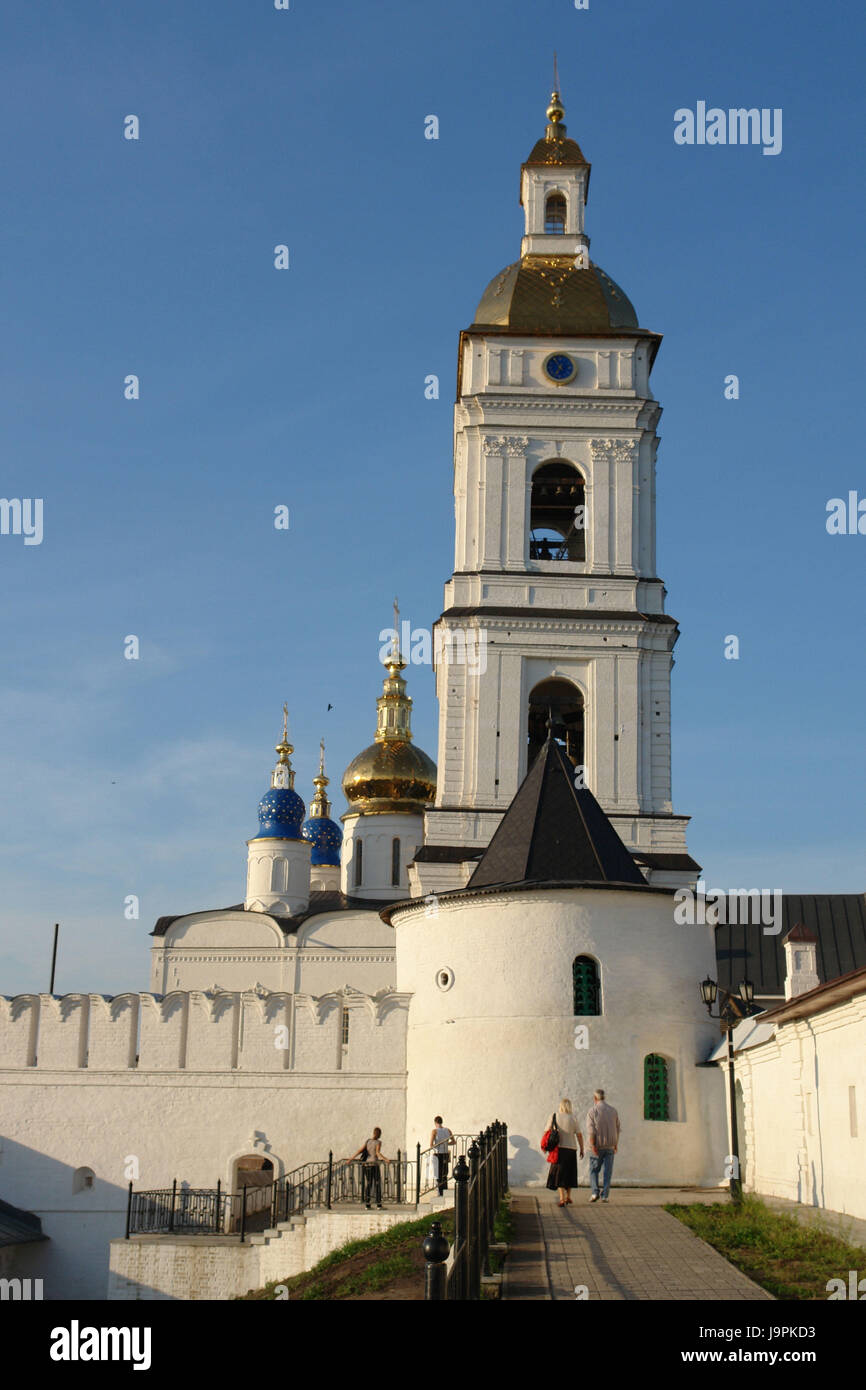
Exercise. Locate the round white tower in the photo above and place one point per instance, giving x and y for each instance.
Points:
(278, 858)
(558, 970)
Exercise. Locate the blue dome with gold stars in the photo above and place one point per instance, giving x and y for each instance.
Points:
(281, 812)
(323, 834)
(326, 838)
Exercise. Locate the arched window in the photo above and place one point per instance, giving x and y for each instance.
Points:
(558, 702)
(587, 987)
(554, 214)
(82, 1179)
(656, 1103)
(359, 863)
(557, 513)
(395, 862)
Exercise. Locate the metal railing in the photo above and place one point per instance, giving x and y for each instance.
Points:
(479, 1185)
(329, 1182)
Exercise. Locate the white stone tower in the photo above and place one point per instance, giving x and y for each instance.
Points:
(554, 610)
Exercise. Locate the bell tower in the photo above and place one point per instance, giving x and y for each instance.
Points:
(554, 613)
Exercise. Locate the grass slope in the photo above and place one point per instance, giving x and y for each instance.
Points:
(386, 1266)
(786, 1258)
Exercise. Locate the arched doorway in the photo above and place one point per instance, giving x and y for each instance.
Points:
(255, 1172)
(560, 703)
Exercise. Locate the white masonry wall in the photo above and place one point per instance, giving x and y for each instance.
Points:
(245, 950)
(804, 1098)
(180, 1088)
(199, 1267)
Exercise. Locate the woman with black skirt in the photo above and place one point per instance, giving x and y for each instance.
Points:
(563, 1173)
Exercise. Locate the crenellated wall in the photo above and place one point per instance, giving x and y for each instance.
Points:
(205, 1031)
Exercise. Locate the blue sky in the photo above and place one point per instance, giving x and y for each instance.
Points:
(306, 388)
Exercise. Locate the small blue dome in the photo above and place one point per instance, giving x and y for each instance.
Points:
(280, 814)
(326, 839)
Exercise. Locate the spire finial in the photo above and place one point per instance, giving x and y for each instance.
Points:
(556, 110)
(282, 775)
(395, 660)
(321, 806)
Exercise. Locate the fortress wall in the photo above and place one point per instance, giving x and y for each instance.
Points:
(265, 1033)
(63, 1030)
(113, 1032)
(19, 1025)
(243, 1031)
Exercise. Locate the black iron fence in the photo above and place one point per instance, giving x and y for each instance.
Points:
(330, 1182)
(480, 1180)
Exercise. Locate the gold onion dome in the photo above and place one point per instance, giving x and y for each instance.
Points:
(550, 294)
(392, 775)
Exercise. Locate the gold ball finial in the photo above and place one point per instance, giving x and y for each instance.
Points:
(555, 110)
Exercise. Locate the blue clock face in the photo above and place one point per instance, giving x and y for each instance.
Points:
(560, 367)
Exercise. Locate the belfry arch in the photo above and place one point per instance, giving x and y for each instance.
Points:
(557, 512)
(557, 702)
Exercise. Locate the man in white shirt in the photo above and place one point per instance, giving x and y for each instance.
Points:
(440, 1140)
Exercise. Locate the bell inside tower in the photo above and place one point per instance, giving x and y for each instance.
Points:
(557, 703)
(557, 515)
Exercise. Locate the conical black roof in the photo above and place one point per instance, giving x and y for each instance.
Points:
(554, 831)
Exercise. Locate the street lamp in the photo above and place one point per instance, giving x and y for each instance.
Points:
(729, 1016)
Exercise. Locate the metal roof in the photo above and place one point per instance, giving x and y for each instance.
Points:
(747, 950)
(18, 1227)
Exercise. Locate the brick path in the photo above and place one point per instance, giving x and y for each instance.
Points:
(628, 1248)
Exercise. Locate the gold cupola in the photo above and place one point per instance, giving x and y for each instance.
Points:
(392, 775)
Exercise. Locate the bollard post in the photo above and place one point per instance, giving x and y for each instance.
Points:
(474, 1225)
(435, 1251)
(461, 1226)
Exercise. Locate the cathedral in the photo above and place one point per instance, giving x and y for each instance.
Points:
(483, 935)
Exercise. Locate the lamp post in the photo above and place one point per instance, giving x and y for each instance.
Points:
(729, 1017)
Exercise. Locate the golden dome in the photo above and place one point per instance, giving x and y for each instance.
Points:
(392, 775)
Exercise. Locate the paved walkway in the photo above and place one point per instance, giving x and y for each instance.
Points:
(627, 1248)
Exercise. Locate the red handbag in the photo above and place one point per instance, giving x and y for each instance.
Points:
(551, 1151)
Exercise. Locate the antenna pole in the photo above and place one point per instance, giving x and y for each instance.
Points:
(54, 957)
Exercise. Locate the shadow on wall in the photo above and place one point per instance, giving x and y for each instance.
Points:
(527, 1165)
(80, 1213)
